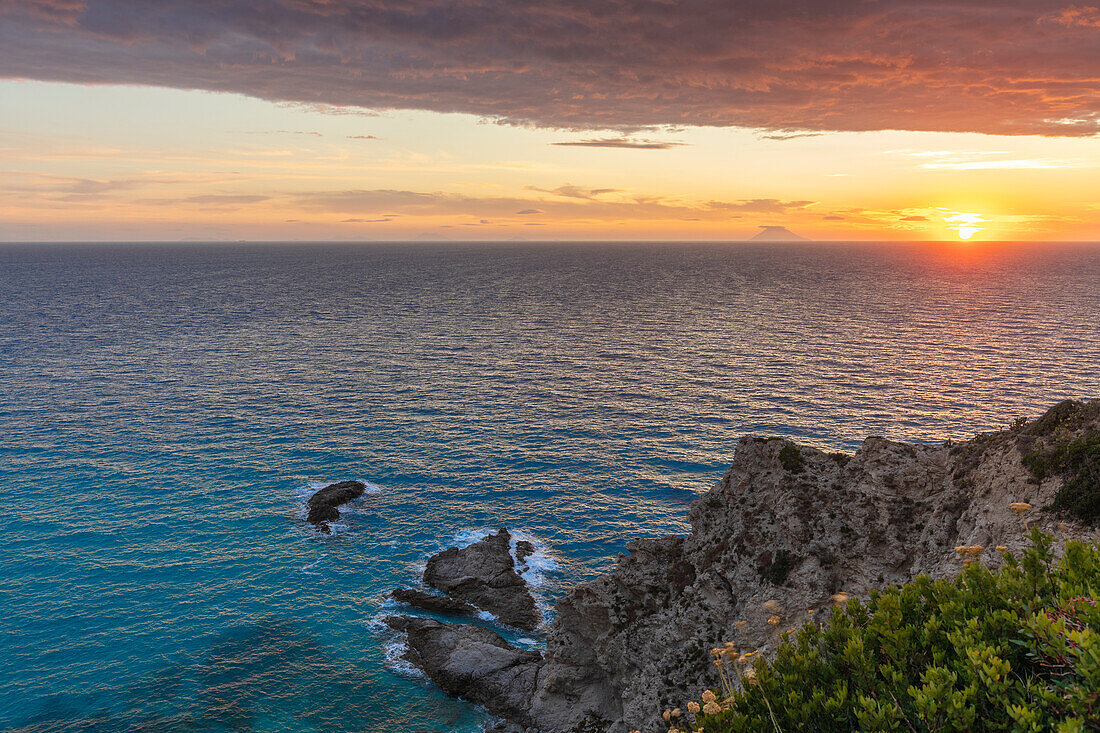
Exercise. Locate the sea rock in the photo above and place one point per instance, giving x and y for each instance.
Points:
(785, 529)
(322, 505)
(484, 574)
(429, 602)
(474, 663)
(524, 550)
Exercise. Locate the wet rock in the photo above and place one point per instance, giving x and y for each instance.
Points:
(484, 574)
(473, 663)
(323, 504)
(429, 602)
(524, 549)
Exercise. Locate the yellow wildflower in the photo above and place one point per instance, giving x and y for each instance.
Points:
(676, 712)
(1002, 548)
(1020, 507)
(750, 676)
(693, 707)
(667, 715)
(711, 709)
(740, 624)
(708, 696)
(840, 598)
(774, 620)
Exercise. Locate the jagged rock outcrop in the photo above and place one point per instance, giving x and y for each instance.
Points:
(524, 550)
(483, 574)
(323, 504)
(473, 663)
(429, 602)
(785, 529)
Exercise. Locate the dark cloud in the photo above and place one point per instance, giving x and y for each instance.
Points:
(789, 135)
(368, 202)
(574, 192)
(760, 206)
(363, 137)
(833, 218)
(364, 221)
(790, 66)
(226, 199)
(620, 142)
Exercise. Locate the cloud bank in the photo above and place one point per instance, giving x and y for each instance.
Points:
(991, 66)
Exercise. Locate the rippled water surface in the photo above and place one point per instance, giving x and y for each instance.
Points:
(164, 411)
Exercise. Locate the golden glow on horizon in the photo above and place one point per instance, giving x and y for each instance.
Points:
(196, 165)
(965, 224)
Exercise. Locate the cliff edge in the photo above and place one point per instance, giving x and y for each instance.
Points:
(785, 529)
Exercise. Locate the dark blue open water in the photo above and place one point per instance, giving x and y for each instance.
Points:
(164, 410)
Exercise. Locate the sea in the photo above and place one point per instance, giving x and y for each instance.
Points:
(166, 410)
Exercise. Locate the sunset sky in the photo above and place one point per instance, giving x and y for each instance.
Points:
(696, 120)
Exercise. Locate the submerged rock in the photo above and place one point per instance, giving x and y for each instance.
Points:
(429, 602)
(484, 574)
(322, 505)
(473, 663)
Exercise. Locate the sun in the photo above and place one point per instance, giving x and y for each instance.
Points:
(965, 224)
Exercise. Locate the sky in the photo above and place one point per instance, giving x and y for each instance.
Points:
(597, 119)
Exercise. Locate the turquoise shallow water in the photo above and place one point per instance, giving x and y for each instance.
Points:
(165, 409)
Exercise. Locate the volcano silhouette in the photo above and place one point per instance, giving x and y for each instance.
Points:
(777, 234)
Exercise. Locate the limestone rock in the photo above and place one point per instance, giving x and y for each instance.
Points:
(429, 602)
(474, 663)
(484, 575)
(787, 526)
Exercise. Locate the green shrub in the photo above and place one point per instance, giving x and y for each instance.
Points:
(1015, 649)
(792, 459)
(1078, 461)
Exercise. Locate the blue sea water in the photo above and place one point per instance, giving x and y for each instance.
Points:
(165, 411)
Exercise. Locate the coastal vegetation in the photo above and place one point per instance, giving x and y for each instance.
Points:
(1014, 648)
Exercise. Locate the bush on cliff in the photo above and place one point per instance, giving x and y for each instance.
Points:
(1016, 649)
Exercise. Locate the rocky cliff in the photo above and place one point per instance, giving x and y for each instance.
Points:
(785, 529)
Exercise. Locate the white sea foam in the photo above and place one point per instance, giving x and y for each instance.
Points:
(309, 569)
(395, 648)
(535, 569)
(538, 564)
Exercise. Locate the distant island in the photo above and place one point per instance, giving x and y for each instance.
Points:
(777, 234)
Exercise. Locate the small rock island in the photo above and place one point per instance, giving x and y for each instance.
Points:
(323, 504)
